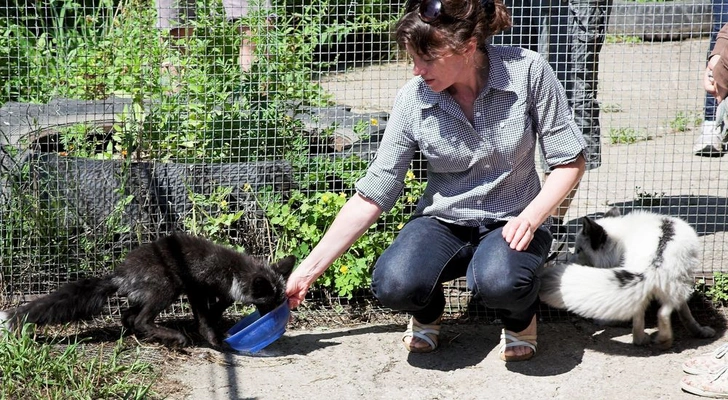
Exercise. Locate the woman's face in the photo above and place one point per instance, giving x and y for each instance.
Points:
(439, 73)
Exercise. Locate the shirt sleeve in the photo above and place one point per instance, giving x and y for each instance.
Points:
(721, 42)
(560, 138)
(384, 179)
(720, 71)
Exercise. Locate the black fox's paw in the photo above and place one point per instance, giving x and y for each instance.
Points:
(175, 341)
(212, 336)
(704, 332)
(215, 343)
(185, 342)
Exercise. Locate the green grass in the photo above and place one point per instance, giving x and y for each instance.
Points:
(626, 135)
(684, 120)
(718, 291)
(611, 108)
(49, 369)
(612, 39)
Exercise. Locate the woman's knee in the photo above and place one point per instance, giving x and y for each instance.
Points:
(508, 279)
(399, 287)
(384, 285)
(393, 288)
(510, 286)
(408, 271)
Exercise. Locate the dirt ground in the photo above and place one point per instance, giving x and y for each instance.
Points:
(576, 359)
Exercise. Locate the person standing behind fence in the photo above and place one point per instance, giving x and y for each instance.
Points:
(570, 35)
(710, 141)
(715, 79)
(477, 113)
(174, 14)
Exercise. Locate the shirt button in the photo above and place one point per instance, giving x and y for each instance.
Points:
(477, 114)
(479, 202)
(453, 139)
(502, 124)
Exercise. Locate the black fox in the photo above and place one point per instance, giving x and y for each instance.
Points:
(154, 275)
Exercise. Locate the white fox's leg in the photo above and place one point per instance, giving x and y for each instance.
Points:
(639, 337)
(663, 340)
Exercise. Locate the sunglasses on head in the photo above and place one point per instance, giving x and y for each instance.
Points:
(429, 11)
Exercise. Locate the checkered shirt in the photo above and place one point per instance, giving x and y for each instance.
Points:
(482, 172)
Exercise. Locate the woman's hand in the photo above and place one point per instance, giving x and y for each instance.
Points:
(708, 81)
(518, 232)
(296, 289)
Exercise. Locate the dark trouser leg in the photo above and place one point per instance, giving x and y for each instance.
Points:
(588, 23)
(507, 280)
(408, 276)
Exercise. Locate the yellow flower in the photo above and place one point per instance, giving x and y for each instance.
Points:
(374, 122)
(400, 226)
(223, 204)
(325, 198)
(410, 174)
(342, 194)
(247, 187)
(344, 269)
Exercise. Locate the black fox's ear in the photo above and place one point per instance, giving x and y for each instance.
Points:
(596, 234)
(613, 212)
(285, 266)
(262, 288)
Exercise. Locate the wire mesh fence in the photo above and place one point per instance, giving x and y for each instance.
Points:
(125, 120)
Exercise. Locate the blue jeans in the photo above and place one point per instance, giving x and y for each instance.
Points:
(427, 252)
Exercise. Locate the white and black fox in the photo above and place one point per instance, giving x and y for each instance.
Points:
(154, 275)
(622, 263)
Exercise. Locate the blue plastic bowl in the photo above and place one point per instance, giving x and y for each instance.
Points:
(254, 332)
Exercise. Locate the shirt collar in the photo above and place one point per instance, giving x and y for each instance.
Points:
(499, 77)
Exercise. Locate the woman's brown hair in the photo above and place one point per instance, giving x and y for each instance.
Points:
(459, 22)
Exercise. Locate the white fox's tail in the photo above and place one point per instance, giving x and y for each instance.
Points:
(612, 294)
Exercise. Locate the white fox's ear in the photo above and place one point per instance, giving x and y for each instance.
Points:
(595, 232)
(613, 212)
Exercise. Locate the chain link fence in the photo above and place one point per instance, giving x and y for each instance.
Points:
(125, 120)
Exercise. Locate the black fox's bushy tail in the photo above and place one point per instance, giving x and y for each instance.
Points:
(73, 301)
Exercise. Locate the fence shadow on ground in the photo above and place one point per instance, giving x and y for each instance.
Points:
(706, 214)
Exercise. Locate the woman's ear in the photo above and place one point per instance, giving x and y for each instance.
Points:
(471, 47)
